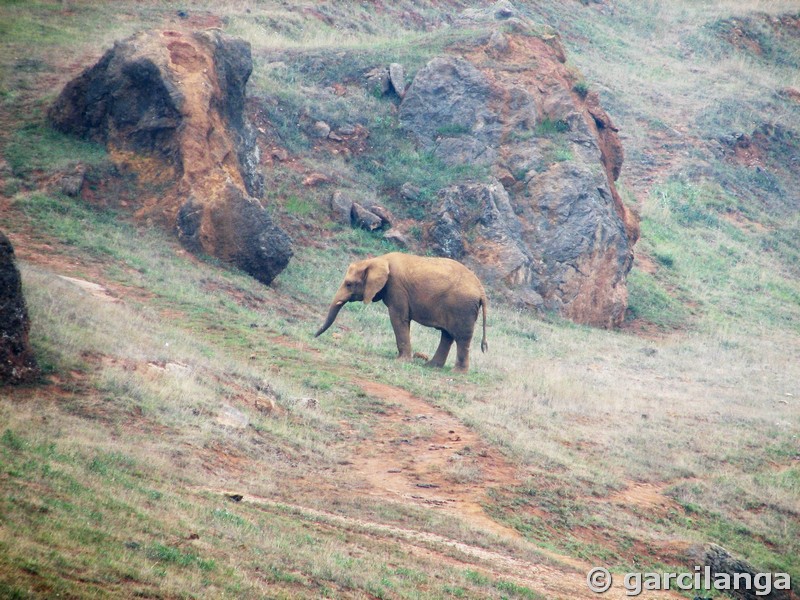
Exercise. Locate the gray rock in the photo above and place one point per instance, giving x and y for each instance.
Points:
(378, 80)
(341, 207)
(499, 11)
(321, 129)
(280, 154)
(233, 64)
(72, 183)
(17, 362)
(364, 218)
(398, 238)
(397, 77)
(456, 151)
(504, 10)
(549, 223)
(409, 191)
(477, 219)
(498, 44)
(387, 219)
(451, 98)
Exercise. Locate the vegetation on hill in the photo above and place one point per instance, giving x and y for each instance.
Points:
(175, 383)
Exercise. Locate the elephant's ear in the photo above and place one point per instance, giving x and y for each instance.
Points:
(376, 274)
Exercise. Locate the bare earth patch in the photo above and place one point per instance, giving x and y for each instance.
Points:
(646, 496)
(416, 454)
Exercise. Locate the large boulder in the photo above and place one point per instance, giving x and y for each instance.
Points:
(17, 363)
(169, 106)
(549, 223)
(722, 567)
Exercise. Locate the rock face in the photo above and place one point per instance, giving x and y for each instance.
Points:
(170, 108)
(17, 363)
(549, 223)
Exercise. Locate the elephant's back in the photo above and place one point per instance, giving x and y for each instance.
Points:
(442, 293)
(459, 275)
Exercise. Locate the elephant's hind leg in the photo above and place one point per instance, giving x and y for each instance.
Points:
(462, 355)
(442, 351)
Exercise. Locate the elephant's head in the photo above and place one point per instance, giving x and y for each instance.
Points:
(363, 280)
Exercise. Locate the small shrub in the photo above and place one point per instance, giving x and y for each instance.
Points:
(476, 577)
(518, 590)
(581, 88)
(550, 128)
(665, 259)
(12, 441)
(562, 155)
(224, 516)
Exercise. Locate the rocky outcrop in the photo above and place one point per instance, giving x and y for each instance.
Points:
(17, 362)
(170, 108)
(723, 566)
(550, 223)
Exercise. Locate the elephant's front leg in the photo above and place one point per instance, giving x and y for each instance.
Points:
(442, 351)
(402, 333)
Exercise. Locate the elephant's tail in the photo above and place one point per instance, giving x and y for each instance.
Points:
(484, 306)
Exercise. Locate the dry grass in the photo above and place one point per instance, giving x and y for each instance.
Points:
(101, 465)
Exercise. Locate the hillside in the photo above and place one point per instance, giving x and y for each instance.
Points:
(189, 437)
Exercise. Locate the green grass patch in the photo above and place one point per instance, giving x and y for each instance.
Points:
(99, 232)
(648, 300)
(549, 128)
(710, 263)
(38, 148)
(165, 554)
(300, 207)
(38, 24)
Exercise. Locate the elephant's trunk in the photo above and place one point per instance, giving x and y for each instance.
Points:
(332, 313)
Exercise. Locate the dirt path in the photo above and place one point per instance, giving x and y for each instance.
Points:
(551, 580)
(424, 455)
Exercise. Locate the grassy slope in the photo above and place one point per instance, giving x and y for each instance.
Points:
(105, 472)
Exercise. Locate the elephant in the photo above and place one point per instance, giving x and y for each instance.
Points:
(435, 292)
